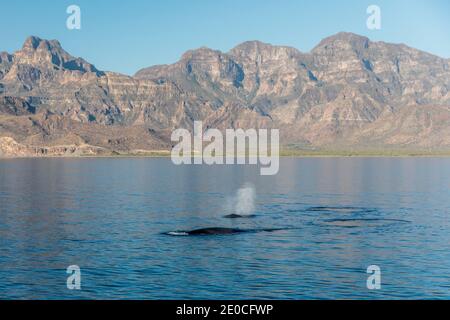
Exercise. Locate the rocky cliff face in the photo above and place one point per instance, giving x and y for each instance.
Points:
(347, 93)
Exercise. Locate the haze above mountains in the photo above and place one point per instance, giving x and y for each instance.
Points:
(348, 93)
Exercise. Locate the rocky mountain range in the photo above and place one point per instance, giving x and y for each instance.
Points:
(348, 93)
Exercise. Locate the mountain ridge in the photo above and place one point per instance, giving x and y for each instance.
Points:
(346, 93)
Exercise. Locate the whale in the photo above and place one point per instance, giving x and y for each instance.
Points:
(206, 232)
(215, 231)
(238, 216)
(342, 209)
(219, 231)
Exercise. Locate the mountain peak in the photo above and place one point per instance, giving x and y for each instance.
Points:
(256, 45)
(252, 44)
(32, 42)
(257, 49)
(351, 39)
(345, 36)
(40, 52)
(200, 52)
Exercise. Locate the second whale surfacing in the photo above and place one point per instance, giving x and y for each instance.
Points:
(219, 231)
(238, 216)
(214, 231)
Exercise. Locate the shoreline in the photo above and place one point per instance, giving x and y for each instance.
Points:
(282, 155)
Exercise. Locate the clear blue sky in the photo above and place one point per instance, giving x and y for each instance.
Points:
(127, 35)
